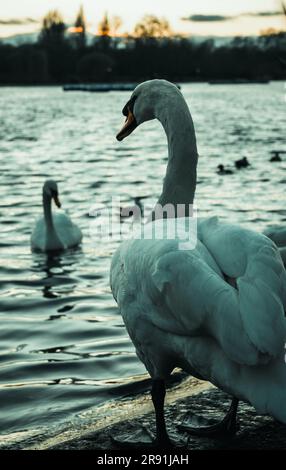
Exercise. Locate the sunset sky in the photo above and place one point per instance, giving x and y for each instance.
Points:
(205, 17)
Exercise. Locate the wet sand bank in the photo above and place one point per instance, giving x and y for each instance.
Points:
(255, 431)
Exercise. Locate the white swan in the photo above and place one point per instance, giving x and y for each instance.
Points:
(54, 232)
(277, 233)
(177, 305)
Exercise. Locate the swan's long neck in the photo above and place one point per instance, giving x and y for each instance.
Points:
(51, 235)
(180, 180)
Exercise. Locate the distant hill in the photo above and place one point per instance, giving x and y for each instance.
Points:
(31, 38)
(19, 39)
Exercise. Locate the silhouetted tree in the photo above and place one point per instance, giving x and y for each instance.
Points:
(104, 42)
(54, 59)
(61, 60)
(152, 27)
(6, 75)
(94, 67)
(80, 29)
(53, 28)
(283, 59)
(28, 64)
(115, 24)
(104, 26)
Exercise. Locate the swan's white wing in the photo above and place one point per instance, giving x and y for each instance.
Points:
(277, 233)
(69, 233)
(184, 293)
(261, 280)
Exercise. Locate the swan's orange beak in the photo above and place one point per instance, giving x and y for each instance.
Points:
(57, 201)
(129, 126)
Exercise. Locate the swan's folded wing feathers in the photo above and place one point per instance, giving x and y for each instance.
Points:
(202, 302)
(255, 262)
(69, 233)
(277, 233)
(183, 295)
(62, 219)
(181, 288)
(261, 302)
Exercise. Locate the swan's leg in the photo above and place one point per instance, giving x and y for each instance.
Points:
(201, 426)
(143, 437)
(158, 397)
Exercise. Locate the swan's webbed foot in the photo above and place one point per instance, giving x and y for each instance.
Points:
(139, 438)
(204, 427)
(142, 438)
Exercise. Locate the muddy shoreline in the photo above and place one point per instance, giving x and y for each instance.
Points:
(255, 432)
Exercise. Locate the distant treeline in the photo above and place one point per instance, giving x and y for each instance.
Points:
(58, 59)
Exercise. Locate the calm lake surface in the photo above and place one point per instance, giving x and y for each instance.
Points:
(63, 346)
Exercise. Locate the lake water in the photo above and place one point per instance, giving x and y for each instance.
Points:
(63, 346)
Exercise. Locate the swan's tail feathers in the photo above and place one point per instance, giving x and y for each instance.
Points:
(262, 301)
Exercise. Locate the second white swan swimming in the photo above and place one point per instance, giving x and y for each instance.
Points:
(54, 231)
(216, 311)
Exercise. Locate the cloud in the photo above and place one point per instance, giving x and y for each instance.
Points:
(264, 13)
(219, 18)
(207, 18)
(17, 21)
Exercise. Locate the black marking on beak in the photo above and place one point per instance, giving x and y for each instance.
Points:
(129, 106)
(55, 196)
(130, 121)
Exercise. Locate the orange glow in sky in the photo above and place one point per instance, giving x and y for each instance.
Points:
(75, 29)
(205, 17)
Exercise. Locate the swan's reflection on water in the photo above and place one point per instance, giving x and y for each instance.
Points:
(57, 270)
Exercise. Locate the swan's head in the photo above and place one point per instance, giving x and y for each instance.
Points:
(145, 102)
(50, 191)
